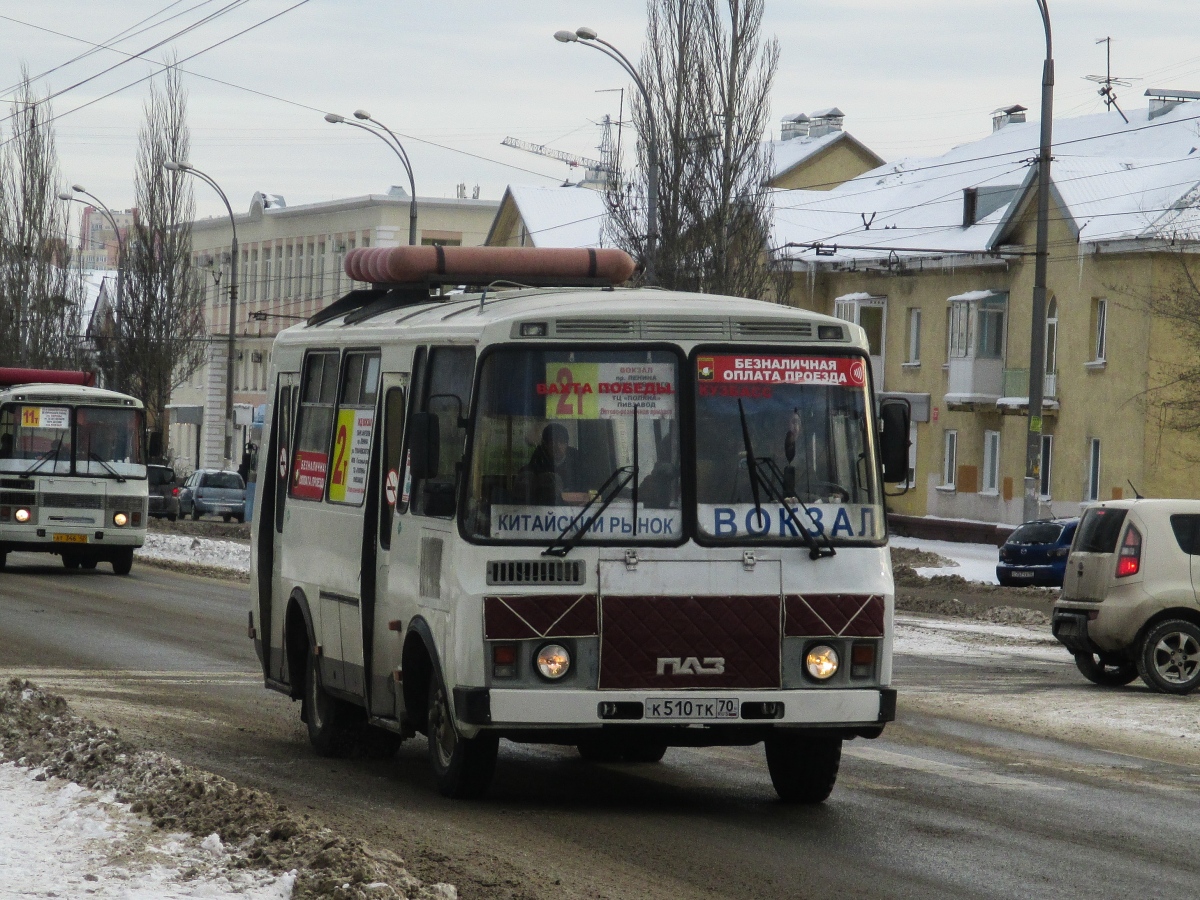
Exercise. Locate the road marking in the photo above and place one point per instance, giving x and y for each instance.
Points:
(944, 770)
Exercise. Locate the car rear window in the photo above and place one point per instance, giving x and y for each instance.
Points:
(1036, 533)
(230, 480)
(1099, 530)
(1187, 533)
(159, 475)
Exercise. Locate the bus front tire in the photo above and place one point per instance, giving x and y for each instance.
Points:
(803, 769)
(123, 563)
(327, 717)
(462, 766)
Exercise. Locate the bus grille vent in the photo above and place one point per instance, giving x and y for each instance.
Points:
(558, 571)
(18, 498)
(73, 501)
(595, 327)
(431, 568)
(684, 328)
(768, 329)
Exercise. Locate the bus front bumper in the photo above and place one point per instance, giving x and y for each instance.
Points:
(524, 709)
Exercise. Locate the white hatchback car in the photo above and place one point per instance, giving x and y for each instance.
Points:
(1129, 599)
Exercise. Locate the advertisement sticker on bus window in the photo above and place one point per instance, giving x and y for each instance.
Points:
(308, 474)
(351, 455)
(839, 371)
(608, 390)
(53, 417)
(407, 492)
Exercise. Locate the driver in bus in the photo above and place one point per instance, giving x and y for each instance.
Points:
(555, 469)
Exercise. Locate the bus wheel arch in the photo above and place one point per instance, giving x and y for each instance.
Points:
(418, 660)
(297, 641)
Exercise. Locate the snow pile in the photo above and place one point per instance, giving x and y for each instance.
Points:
(961, 639)
(137, 823)
(973, 562)
(207, 552)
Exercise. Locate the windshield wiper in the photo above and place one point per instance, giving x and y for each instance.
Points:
(775, 489)
(117, 475)
(613, 485)
(815, 550)
(45, 456)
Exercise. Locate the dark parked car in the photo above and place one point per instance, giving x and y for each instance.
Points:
(1036, 553)
(212, 492)
(164, 492)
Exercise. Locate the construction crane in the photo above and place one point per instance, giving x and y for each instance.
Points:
(570, 159)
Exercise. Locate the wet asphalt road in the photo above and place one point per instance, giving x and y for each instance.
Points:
(935, 808)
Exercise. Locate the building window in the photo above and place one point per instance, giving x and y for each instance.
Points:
(949, 459)
(1046, 464)
(870, 313)
(958, 340)
(914, 336)
(321, 270)
(1093, 482)
(991, 332)
(991, 462)
(287, 272)
(310, 267)
(1100, 315)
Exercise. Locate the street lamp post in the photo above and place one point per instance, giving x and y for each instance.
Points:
(594, 41)
(397, 148)
(188, 168)
(1037, 338)
(112, 220)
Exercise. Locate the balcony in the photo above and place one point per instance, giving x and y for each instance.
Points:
(1016, 392)
(974, 381)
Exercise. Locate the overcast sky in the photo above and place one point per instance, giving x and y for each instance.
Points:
(914, 77)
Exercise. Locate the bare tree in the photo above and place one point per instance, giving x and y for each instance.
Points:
(158, 335)
(1174, 388)
(708, 72)
(41, 293)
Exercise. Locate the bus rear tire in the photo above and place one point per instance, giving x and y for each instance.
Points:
(327, 717)
(123, 562)
(462, 766)
(70, 561)
(88, 563)
(803, 769)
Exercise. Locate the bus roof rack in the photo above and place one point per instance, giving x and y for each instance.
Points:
(423, 266)
(367, 302)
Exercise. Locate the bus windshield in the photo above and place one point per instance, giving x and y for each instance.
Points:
(569, 440)
(782, 442)
(103, 442)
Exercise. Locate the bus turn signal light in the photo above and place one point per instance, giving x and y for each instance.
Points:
(504, 661)
(1129, 561)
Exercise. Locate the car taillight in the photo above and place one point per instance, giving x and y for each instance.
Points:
(174, 492)
(1129, 561)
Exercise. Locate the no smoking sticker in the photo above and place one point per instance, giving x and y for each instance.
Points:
(391, 486)
(283, 466)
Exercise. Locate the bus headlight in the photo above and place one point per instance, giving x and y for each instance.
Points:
(821, 662)
(22, 515)
(120, 519)
(553, 661)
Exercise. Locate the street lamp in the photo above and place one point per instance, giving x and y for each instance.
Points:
(593, 40)
(189, 169)
(112, 220)
(1037, 337)
(397, 148)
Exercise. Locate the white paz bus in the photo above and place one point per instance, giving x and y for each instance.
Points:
(72, 469)
(573, 513)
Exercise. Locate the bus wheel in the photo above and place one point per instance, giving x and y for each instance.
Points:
(463, 766)
(87, 563)
(70, 561)
(326, 717)
(123, 563)
(803, 769)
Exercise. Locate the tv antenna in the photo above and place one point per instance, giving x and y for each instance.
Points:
(1106, 81)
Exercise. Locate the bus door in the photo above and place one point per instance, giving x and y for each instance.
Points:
(384, 657)
(273, 478)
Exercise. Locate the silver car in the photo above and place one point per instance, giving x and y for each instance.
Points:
(213, 492)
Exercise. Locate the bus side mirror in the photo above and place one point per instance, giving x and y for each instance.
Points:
(424, 442)
(894, 440)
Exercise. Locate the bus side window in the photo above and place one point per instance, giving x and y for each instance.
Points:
(310, 455)
(283, 417)
(393, 447)
(446, 394)
(353, 428)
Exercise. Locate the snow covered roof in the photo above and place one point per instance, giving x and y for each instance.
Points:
(1114, 181)
(560, 216)
(789, 154)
